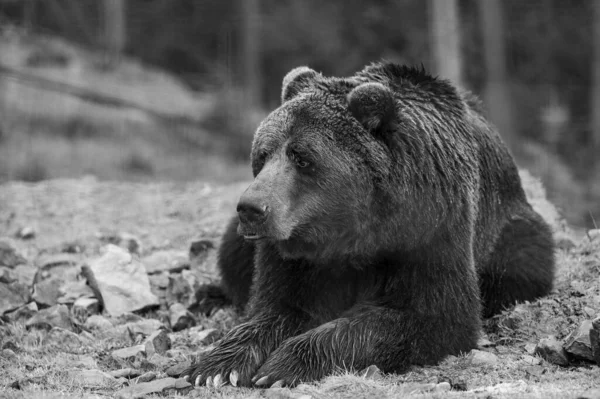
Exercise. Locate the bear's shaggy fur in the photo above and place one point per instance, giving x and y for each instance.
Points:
(385, 219)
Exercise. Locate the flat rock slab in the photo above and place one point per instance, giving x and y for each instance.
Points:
(145, 388)
(55, 316)
(166, 260)
(13, 296)
(91, 378)
(578, 342)
(121, 281)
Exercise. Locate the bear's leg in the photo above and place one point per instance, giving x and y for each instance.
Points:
(391, 339)
(521, 266)
(427, 310)
(236, 265)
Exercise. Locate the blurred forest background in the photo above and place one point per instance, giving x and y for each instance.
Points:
(173, 89)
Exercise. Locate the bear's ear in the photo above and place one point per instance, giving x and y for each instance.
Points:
(373, 105)
(295, 81)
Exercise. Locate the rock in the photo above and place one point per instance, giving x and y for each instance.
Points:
(530, 360)
(142, 389)
(125, 354)
(166, 260)
(159, 342)
(595, 340)
(530, 348)
(130, 242)
(442, 387)
(26, 233)
(71, 291)
(589, 312)
(46, 292)
(178, 368)
(482, 358)
(182, 288)
(142, 328)
(593, 393)
(552, 351)
(126, 372)
(12, 296)
(9, 256)
(593, 234)
(25, 274)
(564, 241)
(371, 372)
(91, 378)
(64, 340)
(55, 316)
(207, 337)
(159, 280)
(97, 322)
(483, 342)
(89, 306)
(535, 370)
(8, 354)
(120, 282)
(180, 318)
(23, 313)
(48, 262)
(578, 342)
(147, 377)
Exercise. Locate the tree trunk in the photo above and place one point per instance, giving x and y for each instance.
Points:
(114, 30)
(497, 87)
(251, 52)
(595, 110)
(445, 39)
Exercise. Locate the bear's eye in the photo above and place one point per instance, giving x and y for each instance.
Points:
(299, 160)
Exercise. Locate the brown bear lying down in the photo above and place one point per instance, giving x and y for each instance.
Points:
(386, 218)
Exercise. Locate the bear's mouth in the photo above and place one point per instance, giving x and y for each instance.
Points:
(253, 236)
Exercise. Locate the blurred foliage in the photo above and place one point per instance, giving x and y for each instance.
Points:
(548, 52)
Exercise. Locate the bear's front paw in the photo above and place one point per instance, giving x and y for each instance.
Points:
(230, 363)
(286, 367)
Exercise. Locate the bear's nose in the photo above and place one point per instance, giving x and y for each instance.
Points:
(251, 213)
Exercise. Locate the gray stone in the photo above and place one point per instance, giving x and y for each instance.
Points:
(125, 354)
(145, 388)
(578, 342)
(207, 337)
(552, 351)
(178, 368)
(25, 274)
(9, 256)
(595, 340)
(97, 322)
(147, 377)
(121, 282)
(8, 354)
(91, 378)
(180, 318)
(71, 291)
(23, 313)
(159, 342)
(143, 328)
(55, 316)
(13, 296)
(371, 372)
(182, 288)
(46, 292)
(530, 360)
(482, 358)
(50, 261)
(89, 306)
(166, 260)
(26, 233)
(126, 372)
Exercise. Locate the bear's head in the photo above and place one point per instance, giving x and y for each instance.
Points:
(317, 162)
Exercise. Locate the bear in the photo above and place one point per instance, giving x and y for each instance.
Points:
(386, 218)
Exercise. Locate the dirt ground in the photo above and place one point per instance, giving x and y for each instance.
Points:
(170, 216)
